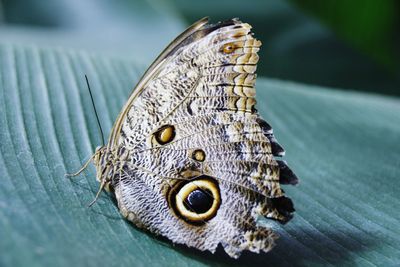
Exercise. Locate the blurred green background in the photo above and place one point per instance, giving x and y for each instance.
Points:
(337, 43)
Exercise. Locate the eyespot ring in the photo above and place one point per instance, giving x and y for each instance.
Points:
(199, 155)
(228, 48)
(165, 134)
(196, 201)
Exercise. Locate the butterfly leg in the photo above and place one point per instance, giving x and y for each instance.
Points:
(84, 166)
(102, 185)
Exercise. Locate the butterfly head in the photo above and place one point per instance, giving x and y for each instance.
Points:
(99, 150)
(100, 162)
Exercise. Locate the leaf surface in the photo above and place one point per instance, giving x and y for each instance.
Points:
(344, 146)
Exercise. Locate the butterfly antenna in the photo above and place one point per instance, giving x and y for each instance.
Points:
(95, 111)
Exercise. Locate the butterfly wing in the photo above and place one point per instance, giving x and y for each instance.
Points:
(197, 163)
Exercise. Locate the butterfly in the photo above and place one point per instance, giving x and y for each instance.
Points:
(189, 157)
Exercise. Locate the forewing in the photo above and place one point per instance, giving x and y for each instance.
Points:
(203, 93)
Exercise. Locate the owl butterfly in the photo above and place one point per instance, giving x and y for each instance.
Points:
(189, 157)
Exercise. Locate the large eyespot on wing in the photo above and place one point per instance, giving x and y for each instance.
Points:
(195, 201)
(194, 115)
(231, 223)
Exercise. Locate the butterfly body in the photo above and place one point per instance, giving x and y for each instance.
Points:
(189, 157)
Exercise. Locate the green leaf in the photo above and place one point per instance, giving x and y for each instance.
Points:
(344, 146)
(369, 25)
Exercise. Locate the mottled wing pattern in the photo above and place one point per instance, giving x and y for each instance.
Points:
(202, 91)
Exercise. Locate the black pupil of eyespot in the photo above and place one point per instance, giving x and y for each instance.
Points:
(199, 201)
